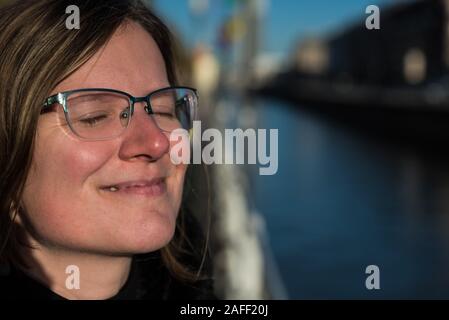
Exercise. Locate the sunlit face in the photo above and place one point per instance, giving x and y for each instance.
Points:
(64, 197)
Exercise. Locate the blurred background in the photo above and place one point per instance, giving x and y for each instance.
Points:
(363, 120)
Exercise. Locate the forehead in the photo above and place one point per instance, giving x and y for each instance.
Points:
(130, 61)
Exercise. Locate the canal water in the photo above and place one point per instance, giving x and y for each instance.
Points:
(342, 201)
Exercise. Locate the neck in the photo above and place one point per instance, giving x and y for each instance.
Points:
(77, 275)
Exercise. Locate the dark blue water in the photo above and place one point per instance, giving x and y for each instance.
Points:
(342, 201)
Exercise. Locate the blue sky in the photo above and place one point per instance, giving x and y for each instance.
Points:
(286, 21)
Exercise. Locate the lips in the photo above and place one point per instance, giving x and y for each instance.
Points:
(151, 187)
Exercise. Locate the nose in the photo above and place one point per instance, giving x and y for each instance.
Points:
(142, 138)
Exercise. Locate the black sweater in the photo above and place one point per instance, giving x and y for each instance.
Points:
(148, 279)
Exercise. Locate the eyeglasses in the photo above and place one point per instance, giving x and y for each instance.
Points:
(103, 114)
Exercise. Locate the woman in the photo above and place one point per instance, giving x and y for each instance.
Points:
(91, 203)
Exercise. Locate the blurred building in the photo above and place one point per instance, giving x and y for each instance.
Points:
(404, 63)
(393, 79)
(411, 47)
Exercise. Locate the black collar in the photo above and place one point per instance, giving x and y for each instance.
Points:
(148, 279)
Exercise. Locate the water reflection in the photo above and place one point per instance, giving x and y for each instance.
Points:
(342, 200)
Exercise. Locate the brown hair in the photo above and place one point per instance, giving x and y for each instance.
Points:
(37, 52)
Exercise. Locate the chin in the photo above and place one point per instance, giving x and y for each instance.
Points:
(149, 237)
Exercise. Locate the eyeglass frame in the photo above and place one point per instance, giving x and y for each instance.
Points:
(61, 98)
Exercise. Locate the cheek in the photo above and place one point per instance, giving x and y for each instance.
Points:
(68, 163)
(56, 180)
(176, 181)
(180, 171)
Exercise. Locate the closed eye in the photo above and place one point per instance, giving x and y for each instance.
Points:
(165, 114)
(92, 121)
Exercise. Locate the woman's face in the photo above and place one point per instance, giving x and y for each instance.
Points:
(64, 199)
